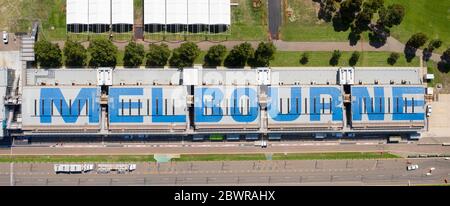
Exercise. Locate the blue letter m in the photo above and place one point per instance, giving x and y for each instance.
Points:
(87, 97)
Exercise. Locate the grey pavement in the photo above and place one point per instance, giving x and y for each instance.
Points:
(274, 11)
(439, 121)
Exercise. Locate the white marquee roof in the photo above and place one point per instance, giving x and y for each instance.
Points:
(99, 11)
(198, 11)
(155, 11)
(176, 12)
(122, 12)
(220, 12)
(77, 12)
(187, 12)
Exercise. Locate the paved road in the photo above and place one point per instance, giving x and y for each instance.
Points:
(274, 11)
(440, 118)
(228, 147)
(322, 172)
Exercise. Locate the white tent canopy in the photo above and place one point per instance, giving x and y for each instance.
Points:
(198, 12)
(208, 12)
(176, 12)
(77, 12)
(122, 12)
(220, 12)
(99, 11)
(155, 11)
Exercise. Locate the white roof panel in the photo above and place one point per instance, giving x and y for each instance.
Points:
(99, 11)
(154, 12)
(122, 12)
(77, 12)
(220, 12)
(198, 11)
(176, 12)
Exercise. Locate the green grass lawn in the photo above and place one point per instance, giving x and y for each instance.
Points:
(307, 27)
(284, 59)
(440, 77)
(199, 157)
(431, 17)
(82, 158)
(248, 23)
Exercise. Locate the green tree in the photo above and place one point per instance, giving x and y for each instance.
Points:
(349, 9)
(185, 55)
(393, 57)
(157, 55)
(434, 44)
(392, 15)
(134, 55)
(215, 56)
(75, 54)
(48, 55)
(327, 9)
(417, 40)
(334, 61)
(354, 58)
(263, 55)
(363, 19)
(103, 53)
(373, 5)
(444, 64)
(239, 55)
(304, 59)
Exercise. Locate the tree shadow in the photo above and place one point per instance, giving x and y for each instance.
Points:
(304, 60)
(443, 66)
(353, 38)
(377, 40)
(427, 53)
(339, 24)
(410, 53)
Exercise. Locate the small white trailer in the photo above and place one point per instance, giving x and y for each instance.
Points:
(73, 168)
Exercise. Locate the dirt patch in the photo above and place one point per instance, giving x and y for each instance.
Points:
(301, 11)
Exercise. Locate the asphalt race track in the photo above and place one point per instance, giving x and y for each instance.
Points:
(308, 172)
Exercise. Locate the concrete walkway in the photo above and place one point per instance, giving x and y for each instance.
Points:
(392, 45)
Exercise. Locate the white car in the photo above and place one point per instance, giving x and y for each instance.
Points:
(5, 37)
(412, 167)
(429, 110)
(447, 158)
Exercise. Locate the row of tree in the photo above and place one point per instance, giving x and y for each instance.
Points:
(352, 61)
(103, 53)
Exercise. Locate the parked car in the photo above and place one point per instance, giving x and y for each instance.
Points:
(429, 110)
(412, 167)
(5, 37)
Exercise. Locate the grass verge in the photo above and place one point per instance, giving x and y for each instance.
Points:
(368, 59)
(198, 157)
